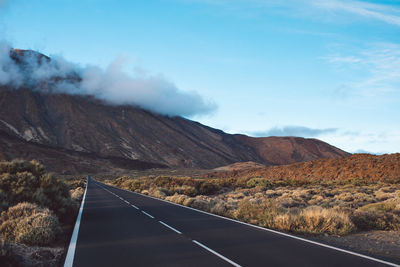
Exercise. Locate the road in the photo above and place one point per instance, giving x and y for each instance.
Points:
(121, 228)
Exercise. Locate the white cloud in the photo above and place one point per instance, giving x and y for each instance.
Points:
(385, 13)
(379, 65)
(151, 92)
(300, 131)
(313, 8)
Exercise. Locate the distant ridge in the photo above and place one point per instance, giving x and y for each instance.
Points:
(355, 167)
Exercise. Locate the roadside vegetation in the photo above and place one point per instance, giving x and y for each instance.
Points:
(333, 207)
(37, 213)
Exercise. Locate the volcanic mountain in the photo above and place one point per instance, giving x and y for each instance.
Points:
(81, 133)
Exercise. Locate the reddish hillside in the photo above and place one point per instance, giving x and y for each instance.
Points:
(358, 166)
(285, 150)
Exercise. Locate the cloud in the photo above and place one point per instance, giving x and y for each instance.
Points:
(151, 92)
(384, 13)
(313, 9)
(378, 66)
(300, 131)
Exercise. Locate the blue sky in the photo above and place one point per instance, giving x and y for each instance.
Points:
(323, 69)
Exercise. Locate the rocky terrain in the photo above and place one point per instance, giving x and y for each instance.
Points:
(365, 167)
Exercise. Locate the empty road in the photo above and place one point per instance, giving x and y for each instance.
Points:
(121, 228)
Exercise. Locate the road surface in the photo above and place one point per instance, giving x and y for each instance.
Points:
(121, 228)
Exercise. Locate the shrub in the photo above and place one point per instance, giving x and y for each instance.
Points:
(257, 213)
(261, 183)
(315, 220)
(207, 188)
(177, 198)
(27, 181)
(29, 224)
(77, 193)
(375, 220)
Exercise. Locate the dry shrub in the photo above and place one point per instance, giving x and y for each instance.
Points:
(197, 203)
(186, 190)
(208, 188)
(315, 220)
(27, 181)
(159, 192)
(221, 207)
(29, 224)
(345, 196)
(384, 206)
(257, 213)
(375, 220)
(261, 183)
(77, 193)
(177, 198)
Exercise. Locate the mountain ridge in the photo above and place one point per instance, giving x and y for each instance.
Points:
(83, 123)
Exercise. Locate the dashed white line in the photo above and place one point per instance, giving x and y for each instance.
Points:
(216, 253)
(170, 227)
(148, 214)
(127, 202)
(134, 206)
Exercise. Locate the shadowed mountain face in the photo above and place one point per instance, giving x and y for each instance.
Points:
(86, 125)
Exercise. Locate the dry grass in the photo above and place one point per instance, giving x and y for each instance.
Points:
(334, 208)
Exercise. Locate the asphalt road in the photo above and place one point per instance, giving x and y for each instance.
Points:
(121, 228)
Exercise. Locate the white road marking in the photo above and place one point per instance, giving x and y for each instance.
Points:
(270, 230)
(127, 202)
(134, 206)
(216, 253)
(170, 227)
(148, 214)
(69, 259)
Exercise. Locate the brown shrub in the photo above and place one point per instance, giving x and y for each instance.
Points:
(27, 181)
(29, 224)
(315, 220)
(375, 220)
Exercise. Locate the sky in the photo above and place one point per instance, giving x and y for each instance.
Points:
(326, 69)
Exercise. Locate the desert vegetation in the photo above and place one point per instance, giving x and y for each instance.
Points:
(313, 206)
(37, 210)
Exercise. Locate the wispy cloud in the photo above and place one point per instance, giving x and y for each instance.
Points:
(381, 12)
(384, 13)
(300, 131)
(379, 65)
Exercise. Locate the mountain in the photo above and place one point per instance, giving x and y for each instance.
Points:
(365, 167)
(79, 126)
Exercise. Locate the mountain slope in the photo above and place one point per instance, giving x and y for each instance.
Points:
(33, 111)
(87, 125)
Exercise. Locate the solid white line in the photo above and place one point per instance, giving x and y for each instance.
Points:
(69, 259)
(170, 227)
(216, 253)
(127, 202)
(270, 230)
(148, 214)
(134, 206)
